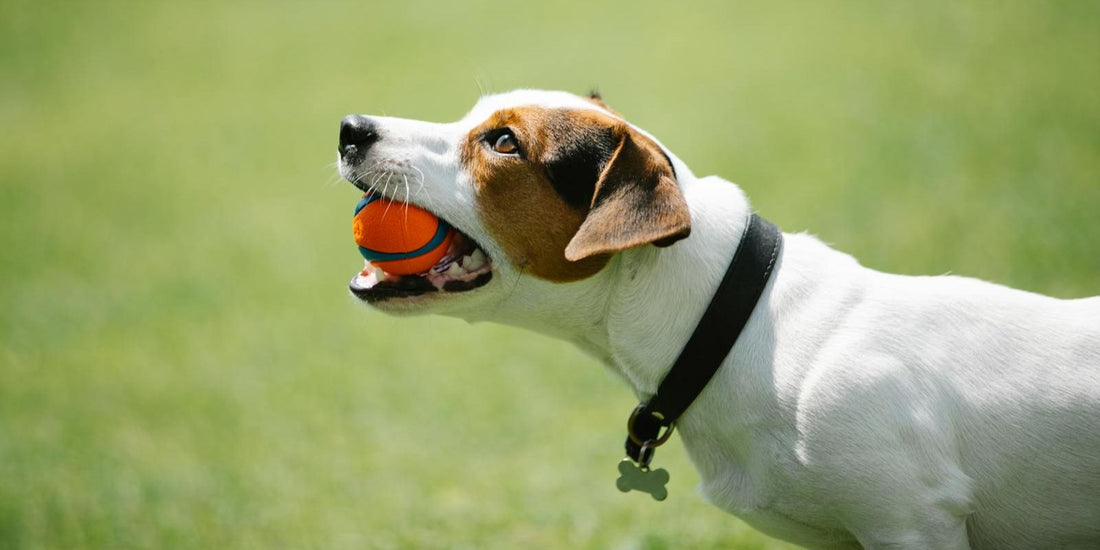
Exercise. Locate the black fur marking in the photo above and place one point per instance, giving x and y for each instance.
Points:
(575, 166)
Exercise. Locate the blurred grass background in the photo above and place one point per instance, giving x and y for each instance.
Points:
(180, 364)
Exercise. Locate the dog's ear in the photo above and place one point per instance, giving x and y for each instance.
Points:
(636, 202)
(595, 97)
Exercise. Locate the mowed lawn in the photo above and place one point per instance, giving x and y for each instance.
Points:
(181, 365)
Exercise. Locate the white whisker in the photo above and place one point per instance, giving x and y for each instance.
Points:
(384, 190)
(420, 189)
(406, 202)
(375, 180)
(334, 179)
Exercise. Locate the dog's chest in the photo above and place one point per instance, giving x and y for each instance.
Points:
(743, 438)
(759, 483)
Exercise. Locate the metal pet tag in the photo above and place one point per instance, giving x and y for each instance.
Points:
(634, 478)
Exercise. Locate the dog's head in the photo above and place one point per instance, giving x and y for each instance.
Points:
(546, 185)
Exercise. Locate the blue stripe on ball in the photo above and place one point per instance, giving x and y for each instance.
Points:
(367, 199)
(375, 256)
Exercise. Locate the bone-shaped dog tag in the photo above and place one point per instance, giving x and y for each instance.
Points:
(633, 478)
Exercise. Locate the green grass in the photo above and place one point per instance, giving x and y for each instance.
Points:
(180, 365)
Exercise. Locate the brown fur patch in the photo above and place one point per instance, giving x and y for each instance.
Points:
(518, 203)
(535, 204)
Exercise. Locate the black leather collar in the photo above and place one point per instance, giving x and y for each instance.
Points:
(714, 336)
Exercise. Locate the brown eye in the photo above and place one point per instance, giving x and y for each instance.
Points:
(506, 144)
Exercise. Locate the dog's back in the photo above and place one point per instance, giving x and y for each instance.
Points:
(1019, 381)
(981, 398)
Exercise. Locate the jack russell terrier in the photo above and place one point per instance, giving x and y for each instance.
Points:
(855, 408)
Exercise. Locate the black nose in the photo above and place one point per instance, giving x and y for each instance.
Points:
(357, 134)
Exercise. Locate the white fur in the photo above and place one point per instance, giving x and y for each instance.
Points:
(857, 407)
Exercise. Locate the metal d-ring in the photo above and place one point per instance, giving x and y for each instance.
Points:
(643, 460)
(647, 443)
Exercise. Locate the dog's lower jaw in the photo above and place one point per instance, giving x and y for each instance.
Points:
(451, 304)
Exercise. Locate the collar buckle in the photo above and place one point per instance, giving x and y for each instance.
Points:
(644, 434)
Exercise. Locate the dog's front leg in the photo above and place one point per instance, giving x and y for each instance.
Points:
(879, 443)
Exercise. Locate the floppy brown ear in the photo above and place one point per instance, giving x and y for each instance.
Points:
(636, 202)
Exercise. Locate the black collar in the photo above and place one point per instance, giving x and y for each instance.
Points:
(714, 336)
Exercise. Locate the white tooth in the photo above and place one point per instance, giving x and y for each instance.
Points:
(379, 274)
(455, 270)
(477, 259)
(466, 261)
(365, 279)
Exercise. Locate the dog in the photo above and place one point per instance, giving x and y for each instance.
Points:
(856, 409)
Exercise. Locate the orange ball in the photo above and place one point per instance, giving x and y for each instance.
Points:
(397, 237)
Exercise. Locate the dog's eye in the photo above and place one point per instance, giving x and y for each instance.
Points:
(505, 143)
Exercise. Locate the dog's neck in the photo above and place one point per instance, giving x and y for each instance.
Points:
(660, 294)
(636, 314)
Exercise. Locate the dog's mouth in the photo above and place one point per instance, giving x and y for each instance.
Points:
(464, 267)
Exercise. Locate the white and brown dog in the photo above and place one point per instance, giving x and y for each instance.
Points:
(857, 408)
